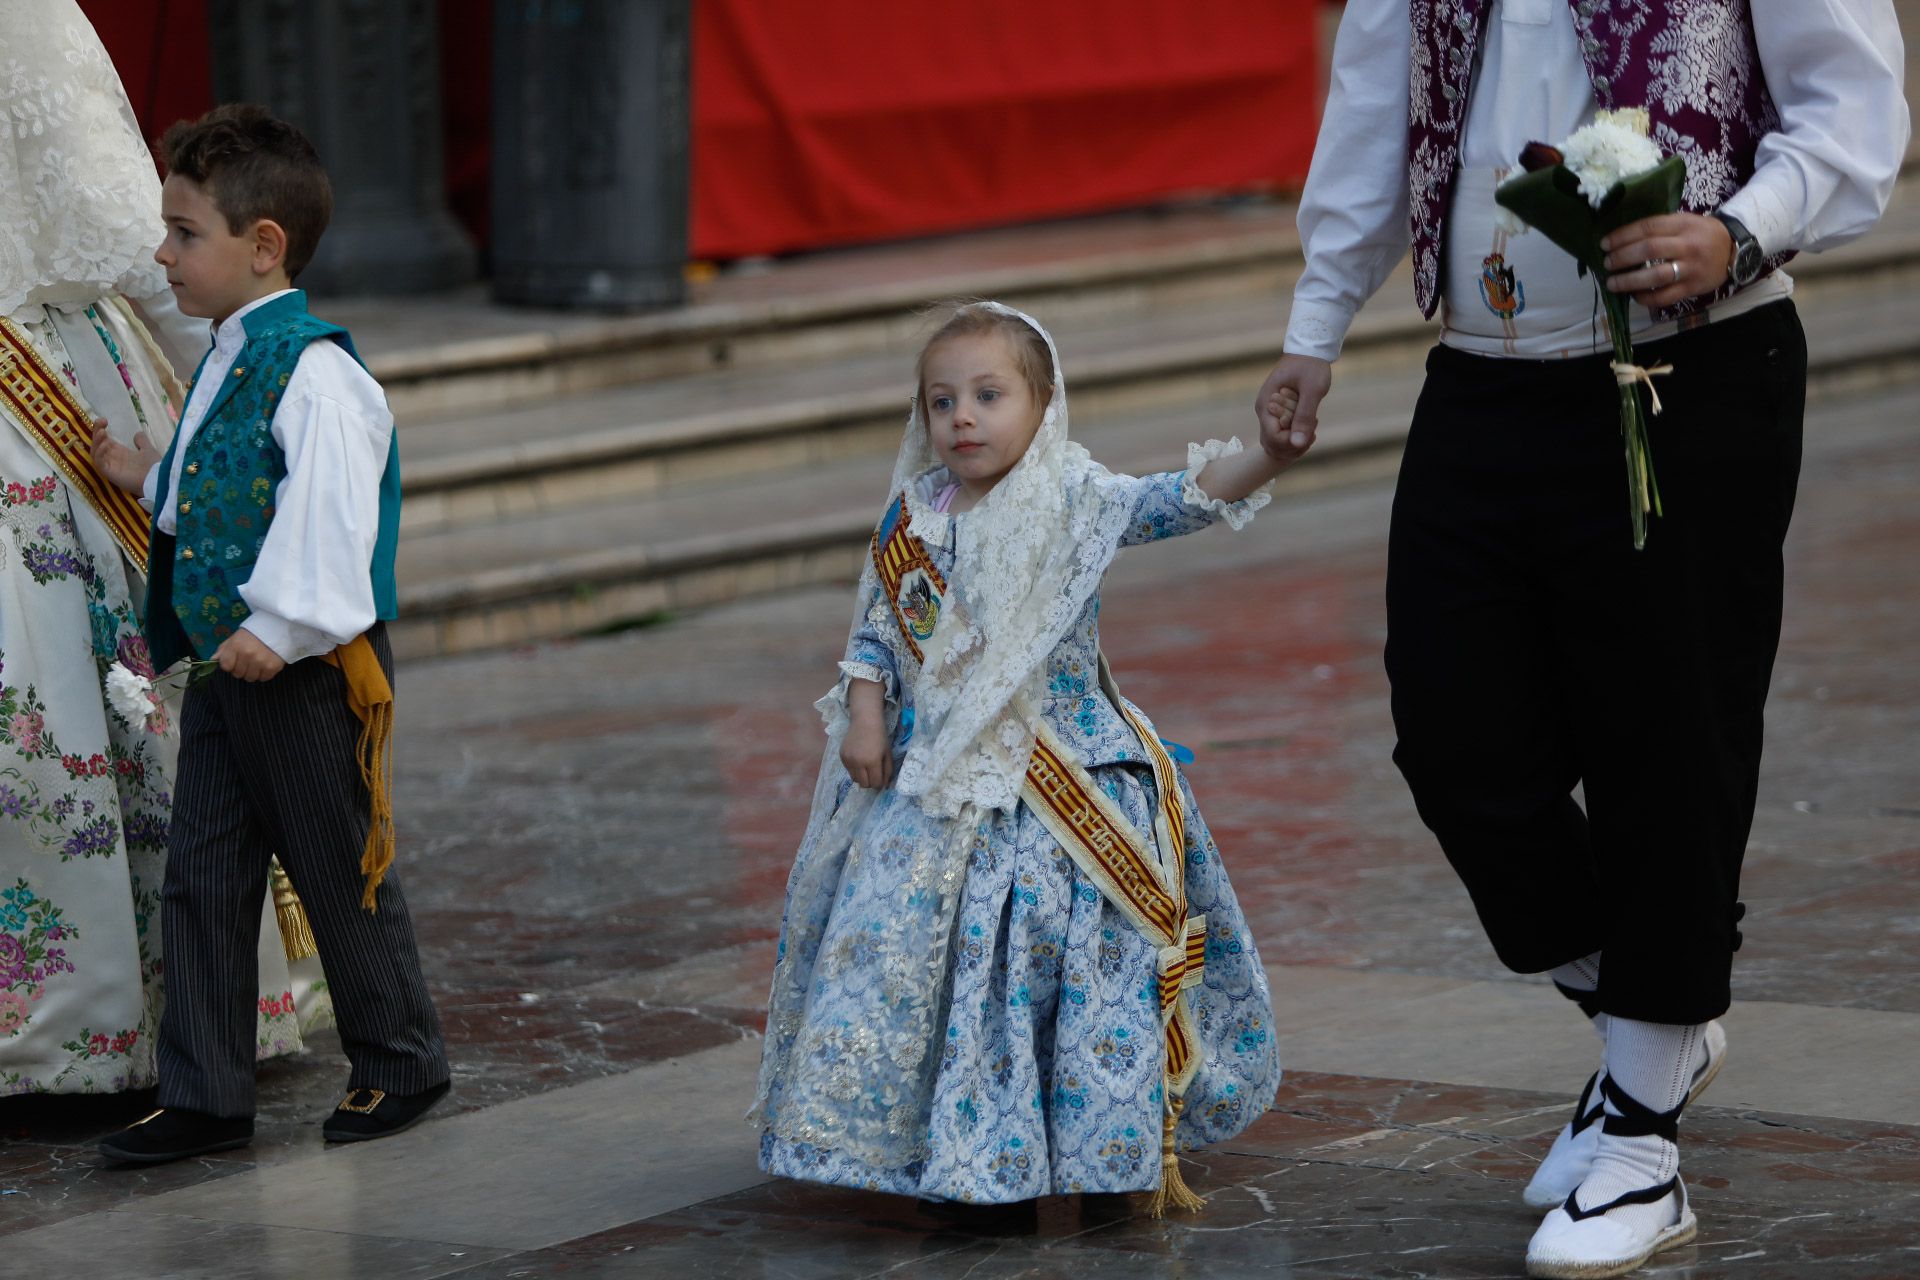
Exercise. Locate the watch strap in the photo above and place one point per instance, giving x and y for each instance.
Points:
(1744, 258)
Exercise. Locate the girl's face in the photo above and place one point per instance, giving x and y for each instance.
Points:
(980, 411)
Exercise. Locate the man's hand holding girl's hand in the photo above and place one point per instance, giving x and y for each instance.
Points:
(1288, 406)
(127, 468)
(866, 751)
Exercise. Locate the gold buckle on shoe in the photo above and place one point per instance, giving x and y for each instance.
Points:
(155, 1116)
(347, 1103)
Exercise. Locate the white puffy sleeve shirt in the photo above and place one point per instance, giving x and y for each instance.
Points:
(1834, 68)
(312, 588)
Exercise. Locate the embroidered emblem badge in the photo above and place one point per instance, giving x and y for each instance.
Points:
(1500, 289)
(919, 603)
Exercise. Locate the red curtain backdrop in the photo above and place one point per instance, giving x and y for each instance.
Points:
(848, 120)
(837, 121)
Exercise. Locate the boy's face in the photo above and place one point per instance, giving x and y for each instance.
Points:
(980, 411)
(213, 271)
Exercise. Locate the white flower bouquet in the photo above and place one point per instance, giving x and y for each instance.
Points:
(1605, 175)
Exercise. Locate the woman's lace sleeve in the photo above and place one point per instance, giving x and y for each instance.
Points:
(1172, 503)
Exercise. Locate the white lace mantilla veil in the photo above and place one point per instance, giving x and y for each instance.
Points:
(79, 196)
(1028, 558)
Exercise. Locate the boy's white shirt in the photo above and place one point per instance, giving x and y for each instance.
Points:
(311, 588)
(1834, 68)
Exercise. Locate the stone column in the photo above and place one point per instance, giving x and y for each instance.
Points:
(590, 140)
(362, 79)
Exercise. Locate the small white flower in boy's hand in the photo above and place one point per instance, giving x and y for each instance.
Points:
(130, 694)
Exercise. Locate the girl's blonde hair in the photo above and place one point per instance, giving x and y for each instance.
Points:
(1032, 357)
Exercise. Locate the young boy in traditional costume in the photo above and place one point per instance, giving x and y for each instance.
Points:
(275, 514)
(1011, 964)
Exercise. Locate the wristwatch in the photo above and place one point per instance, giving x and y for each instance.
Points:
(1743, 268)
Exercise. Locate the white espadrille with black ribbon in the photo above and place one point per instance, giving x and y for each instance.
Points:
(1613, 1237)
(1572, 1154)
(1566, 1165)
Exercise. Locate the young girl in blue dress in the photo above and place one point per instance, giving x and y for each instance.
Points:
(1010, 964)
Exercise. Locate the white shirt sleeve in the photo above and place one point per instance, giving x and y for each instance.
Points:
(1835, 69)
(311, 588)
(1353, 213)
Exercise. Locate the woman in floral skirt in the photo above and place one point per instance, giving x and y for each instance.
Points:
(84, 791)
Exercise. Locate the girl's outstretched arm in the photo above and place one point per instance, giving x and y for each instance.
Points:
(1235, 476)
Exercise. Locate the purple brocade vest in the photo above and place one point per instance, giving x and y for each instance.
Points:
(1693, 64)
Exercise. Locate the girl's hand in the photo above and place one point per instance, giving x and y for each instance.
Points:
(1282, 443)
(866, 752)
(127, 468)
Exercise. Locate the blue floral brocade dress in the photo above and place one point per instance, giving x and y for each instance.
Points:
(1050, 1076)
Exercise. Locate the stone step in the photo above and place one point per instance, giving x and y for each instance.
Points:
(634, 443)
(607, 565)
(459, 353)
(593, 566)
(642, 442)
(456, 354)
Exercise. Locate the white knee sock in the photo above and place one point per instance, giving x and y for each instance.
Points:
(1582, 977)
(1653, 1063)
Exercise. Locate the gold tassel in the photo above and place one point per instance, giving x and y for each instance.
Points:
(371, 697)
(1173, 1189)
(296, 934)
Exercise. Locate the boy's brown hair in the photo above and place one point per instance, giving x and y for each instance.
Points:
(254, 165)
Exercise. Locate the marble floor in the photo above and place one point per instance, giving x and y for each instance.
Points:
(595, 839)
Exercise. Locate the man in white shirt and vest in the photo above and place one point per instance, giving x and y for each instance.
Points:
(1531, 648)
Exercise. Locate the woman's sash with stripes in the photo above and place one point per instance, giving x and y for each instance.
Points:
(37, 398)
(1143, 875)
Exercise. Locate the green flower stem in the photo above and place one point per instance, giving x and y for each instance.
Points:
(1643, 490)
(1549, 200)
(184, 677)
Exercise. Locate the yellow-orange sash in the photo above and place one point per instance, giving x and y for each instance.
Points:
(370, 695)
(61, 428)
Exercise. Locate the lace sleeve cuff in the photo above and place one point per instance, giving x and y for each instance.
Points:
(833, 707)
(866, 671)
(1237, 514)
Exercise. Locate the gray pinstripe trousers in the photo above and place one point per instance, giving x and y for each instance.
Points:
(266, 768)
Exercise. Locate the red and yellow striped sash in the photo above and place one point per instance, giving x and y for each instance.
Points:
(60, 426)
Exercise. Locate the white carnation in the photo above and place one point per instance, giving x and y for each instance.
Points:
(1613, 148)
(130, 694)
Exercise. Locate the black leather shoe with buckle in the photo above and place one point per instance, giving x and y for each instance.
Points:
(174, 1133)
(365, 1114)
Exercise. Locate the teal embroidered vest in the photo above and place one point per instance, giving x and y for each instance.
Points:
(228, 481)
